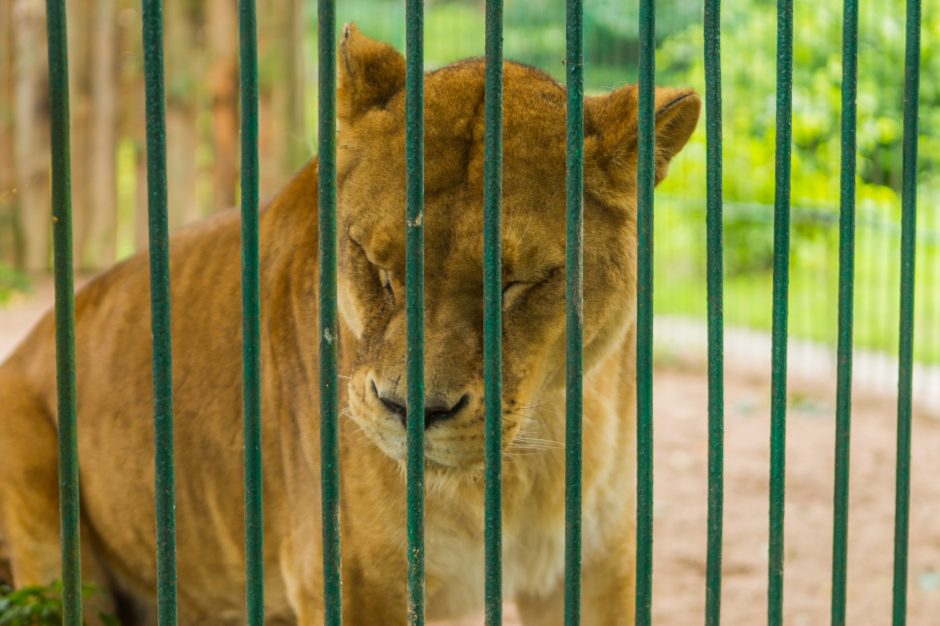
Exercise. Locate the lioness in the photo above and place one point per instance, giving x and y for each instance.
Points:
(115, 395)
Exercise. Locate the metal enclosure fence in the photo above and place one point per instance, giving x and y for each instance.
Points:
(160, 302)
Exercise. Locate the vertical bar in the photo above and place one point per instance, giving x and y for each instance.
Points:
(493, 311)
(69, 507)
(716, 404)
(414, 306)
(160, 312)
(574, 316)
(646, 169)
(778, 391)
(329, 327)
(840, 519)
(906, 348)
(251, 313)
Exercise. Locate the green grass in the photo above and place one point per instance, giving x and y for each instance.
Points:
(814, 274)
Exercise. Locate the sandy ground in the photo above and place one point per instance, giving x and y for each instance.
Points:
(681, 488)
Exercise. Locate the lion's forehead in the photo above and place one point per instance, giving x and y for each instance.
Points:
(531, 236)
(533, 138)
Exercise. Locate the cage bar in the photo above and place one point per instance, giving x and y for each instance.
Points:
(906, 348)
(69, 502)
(574, 317)
(493, 311)
(781, 279)
(251, 313)
(414, 305)
(714, 271)
(646, 170)
(160, 312)
(329, 326)
(840, 519)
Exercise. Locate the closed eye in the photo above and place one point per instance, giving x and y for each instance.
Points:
(512, 291)
(386, 279)
(515, 289)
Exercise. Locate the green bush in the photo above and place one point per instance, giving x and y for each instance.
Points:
(39, 606)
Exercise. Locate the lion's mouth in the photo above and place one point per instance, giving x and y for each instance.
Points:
(440, 453)
(450, 443)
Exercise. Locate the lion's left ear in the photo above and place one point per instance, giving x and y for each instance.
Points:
(612, 122)
(370, 73)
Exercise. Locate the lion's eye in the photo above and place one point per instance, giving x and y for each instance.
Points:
(386, 279)
(515, 289)
(511, 292)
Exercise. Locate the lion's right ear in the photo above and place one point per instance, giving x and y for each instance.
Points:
(370, 73)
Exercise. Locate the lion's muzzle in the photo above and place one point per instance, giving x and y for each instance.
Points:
(433, 413)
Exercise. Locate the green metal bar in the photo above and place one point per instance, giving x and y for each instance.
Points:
(715, 272)
(160, 312)
(778, 391)
(574, 315)
(251, 313)
(414, 305)
(646, 171)
(69, 507)
(840, 519)
(329, 326)
(493, 311)
(906, 348)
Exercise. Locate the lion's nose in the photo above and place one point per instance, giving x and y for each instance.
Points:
(432, 414)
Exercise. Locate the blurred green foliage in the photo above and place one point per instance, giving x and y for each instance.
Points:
(534, 32)
(12, 281)
(39, 606)
(748, 83)
(748, 90)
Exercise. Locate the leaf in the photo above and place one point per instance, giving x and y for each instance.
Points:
(108, 620)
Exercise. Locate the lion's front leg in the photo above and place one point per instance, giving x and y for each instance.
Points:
(608, 585)
(373, 594)
(304, 584)
(29, 500)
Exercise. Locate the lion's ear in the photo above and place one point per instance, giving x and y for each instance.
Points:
(370, 73)
(613, 120)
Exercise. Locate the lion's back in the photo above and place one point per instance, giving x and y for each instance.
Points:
(114, 389)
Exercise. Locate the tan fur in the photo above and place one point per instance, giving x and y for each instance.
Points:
(115, 395)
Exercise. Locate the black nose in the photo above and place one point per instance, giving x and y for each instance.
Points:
(432, 415)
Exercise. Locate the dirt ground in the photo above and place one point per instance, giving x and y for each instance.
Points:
(681, 489)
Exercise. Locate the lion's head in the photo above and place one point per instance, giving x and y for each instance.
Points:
(371, 200)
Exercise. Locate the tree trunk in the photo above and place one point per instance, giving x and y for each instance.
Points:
(31, 132)
(132, 124)
(272, 127)
(182, 106)
(11, 251)
(222, 31)
(296, 149)
(101, 210)
(282, 132)
(81, 37)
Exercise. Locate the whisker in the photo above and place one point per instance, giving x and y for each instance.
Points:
(523, 439)
(536, 446)
(532, 406)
